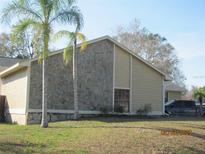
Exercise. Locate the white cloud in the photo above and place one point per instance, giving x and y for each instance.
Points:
(189, 46)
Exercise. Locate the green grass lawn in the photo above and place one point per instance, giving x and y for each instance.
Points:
(105, 135)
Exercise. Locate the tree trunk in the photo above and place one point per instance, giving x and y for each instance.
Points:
(44, 121)
(200, 106)
(46, 32)
(75, 81)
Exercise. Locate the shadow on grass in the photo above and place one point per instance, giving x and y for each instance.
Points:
(120, 119)
(195, 150)
(195, 126)
(193, 134)
(22, 148)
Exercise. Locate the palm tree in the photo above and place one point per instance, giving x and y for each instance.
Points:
(40, 16)
(70, 52)
(199, 93)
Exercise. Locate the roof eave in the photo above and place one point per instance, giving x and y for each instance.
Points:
(14, 68)
(166, 78)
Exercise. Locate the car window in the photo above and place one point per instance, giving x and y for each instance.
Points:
(172, 104)
(184, 104)
(179, 104)
(190, 104)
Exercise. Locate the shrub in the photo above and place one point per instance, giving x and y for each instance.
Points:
(119, 109)
(104, 109)
(145, 110)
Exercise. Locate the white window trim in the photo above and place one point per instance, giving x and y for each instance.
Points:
(123, 88)
(113, 97)
(163, 97)
(130, 103)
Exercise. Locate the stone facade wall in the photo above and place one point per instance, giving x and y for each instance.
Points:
(34, 118)
(95, 80)
(95, 76)
(59, 84)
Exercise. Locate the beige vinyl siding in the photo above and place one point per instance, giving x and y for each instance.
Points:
(174, 95)
(14, 87)
(16, 118)
(2, 68)
(147, 87)
(122, 68)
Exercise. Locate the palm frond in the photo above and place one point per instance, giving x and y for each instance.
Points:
(20, 7)
(37, 43)
(67, 54)
(63, 33)
(81, 37)
(59, 4)
(24, 24)
(72, 16)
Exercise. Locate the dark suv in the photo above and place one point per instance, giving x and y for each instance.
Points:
(181, 107)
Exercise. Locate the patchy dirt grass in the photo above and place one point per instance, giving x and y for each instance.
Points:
(106, 135)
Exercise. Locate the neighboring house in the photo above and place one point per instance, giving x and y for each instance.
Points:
(6, 62)
(109, 77)
(173, 91)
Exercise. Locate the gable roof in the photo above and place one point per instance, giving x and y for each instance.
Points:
(121, 46)
(116, 43)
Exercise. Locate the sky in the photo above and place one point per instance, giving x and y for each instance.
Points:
(182, 22)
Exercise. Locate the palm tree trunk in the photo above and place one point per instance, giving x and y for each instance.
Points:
(75, 81)
(44, 121)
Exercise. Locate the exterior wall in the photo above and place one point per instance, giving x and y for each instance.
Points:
(145, 84)
(14, 87)
(2, 68)
(35, 117)
(174, 95)
(147, 88)
(94, 81)
(95, 76)
(16, 118)
(122, 68)
(59, 84)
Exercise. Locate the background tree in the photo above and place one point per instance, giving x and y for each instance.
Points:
(199, 93)
(39, 16)
(152, 47)
(16, 46)
(70, 52)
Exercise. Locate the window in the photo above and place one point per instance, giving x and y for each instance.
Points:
(122, 100)
(166, 96)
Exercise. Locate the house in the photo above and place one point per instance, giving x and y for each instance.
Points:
(173, 91)
(7, 62)
(111, 78)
